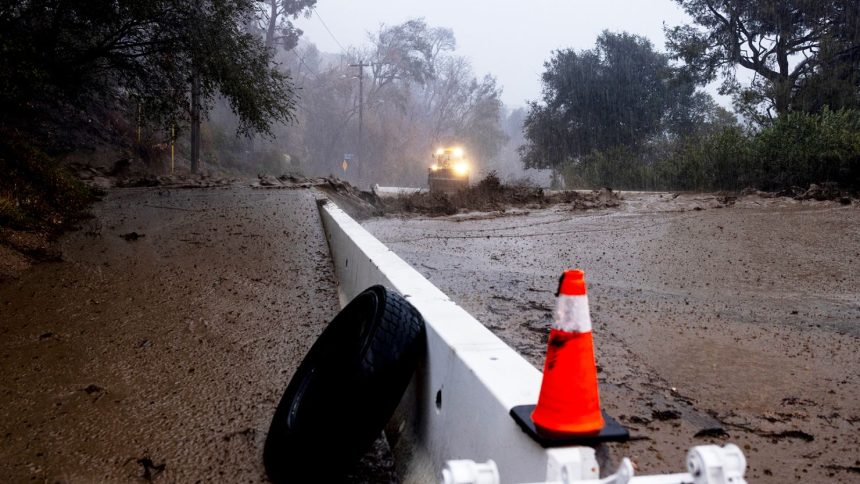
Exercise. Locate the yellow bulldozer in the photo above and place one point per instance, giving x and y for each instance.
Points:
(449, 172)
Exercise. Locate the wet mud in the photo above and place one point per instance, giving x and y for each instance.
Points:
(158, 348)
(716, 319)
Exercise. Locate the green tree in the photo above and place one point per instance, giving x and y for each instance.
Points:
(622, 93)
(63, 58)
(790, 45)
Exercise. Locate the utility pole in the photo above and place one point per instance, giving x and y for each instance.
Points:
(361, 65)
(195, 120)
(195, 90)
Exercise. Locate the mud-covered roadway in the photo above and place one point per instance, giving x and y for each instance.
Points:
(158, 348)
(716, 320)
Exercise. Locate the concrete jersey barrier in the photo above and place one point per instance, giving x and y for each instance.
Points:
(458, 404)
(456, 409)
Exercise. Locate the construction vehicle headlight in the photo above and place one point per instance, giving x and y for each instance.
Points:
(440, 152)
(434, 167)
(461, 169)
(458, 152)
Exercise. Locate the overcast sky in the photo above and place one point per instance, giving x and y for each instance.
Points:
(505, 38)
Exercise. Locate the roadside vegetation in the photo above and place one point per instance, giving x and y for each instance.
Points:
(36, 193)
(795, 150)
(109, 83)
(112, 85)
(627, 116)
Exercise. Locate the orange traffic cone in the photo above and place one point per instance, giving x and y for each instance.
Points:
(568, 402)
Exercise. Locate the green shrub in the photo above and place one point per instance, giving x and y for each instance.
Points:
(618, 168)
(801, 148)
(708, 161)
(797, 149)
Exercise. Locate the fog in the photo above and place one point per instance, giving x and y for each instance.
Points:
(510, 40)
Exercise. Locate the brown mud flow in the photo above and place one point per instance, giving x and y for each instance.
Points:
(159, 347)
(715, 320)
(491, 194)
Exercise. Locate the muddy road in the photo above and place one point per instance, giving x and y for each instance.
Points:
(160, 346)
(715, 320)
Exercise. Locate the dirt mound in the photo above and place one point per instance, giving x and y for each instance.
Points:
(357, 203)
(490, 194)
(820, 192)
(175, 181)
(825, 191)
(126, 173)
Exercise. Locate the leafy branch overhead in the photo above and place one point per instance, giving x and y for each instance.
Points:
(804, 54)
(58, 54)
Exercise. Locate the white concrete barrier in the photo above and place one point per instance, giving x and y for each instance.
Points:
(385, 192)
(457, 406)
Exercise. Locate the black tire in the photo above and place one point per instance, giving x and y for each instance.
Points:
(346, 389)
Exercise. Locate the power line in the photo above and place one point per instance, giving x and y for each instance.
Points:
(329, 32)
(302, 61)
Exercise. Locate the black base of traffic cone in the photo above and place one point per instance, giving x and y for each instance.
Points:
(611, 432)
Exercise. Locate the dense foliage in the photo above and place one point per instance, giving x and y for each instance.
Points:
(79, 74)
(798, 149)
(805, 54)
(35, 191)
(63, 59)
(626, 116)
(621, 94)
(274, 21)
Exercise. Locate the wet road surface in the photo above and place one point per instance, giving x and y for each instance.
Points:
(713, 323)
(161, 355)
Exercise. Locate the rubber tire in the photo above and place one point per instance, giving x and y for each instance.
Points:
(346, 389)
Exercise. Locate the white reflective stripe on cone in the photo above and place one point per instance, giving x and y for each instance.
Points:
(571, 314)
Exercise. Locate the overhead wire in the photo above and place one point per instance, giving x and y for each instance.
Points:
(302, 62)
(329, 31)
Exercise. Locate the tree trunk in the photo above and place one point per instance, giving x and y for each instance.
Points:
(783, 86)
(195, 121)
(273, 23)
(782, 96)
